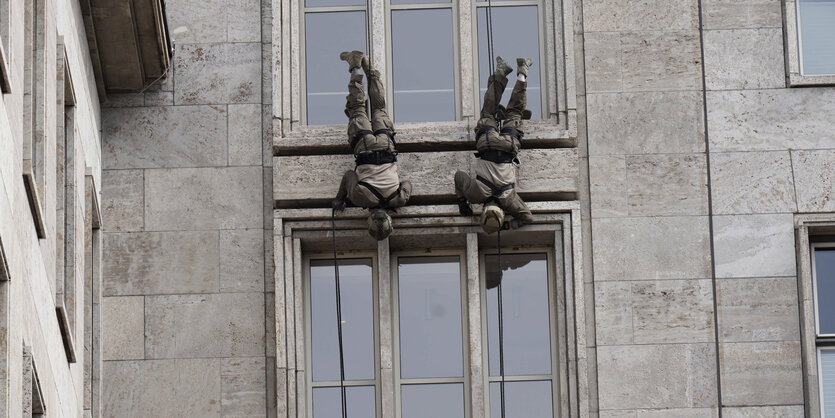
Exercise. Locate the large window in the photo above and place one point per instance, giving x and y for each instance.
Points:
(823, 273)
(424, 46)
(816, 22)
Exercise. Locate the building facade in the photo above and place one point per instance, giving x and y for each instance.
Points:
(167, 245)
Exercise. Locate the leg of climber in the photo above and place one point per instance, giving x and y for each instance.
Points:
(355, 101)
(515, 206)
(405, 193)
(467, 191)
(518, 99)
(348, 184)
(495, 87)
(377, 95)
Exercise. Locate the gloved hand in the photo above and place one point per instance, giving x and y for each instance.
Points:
(510, 224)
(464, 206)
(338, 203)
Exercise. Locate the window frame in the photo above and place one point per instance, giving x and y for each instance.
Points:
(553, 317)
(794, 58)
(310, 385)
(464, 380)
(822, 341)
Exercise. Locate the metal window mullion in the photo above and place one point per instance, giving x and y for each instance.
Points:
(420, 6)
(432, 380)
(523, 378)
(333, 9)
(335, 383)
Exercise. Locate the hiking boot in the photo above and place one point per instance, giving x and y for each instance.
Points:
(353, 58)
(464, 207)
(523, 64)
(502, 68)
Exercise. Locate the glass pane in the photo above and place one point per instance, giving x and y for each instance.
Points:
(515, 35)
(332, 3)
(817, 35)
(522, 399)
(527, 329)
(825, 288)
(436, 401)
(419, 1)
(326, 35)
(423, 65)
(360, 402)
(430, 317)
(828, 382)
(357, 319)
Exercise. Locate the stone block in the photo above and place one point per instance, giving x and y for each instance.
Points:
(217, 73)
(678, 413)
(243, 387)
(245, 134)
(645, 123)
(813, 176)
(159, 98)
(242, 260)
(754, 245)
(613, 313)
(150, 263)
(122, 200)
(672, 311)
(161, 388)
(195, 21)
(774, 119)
(318, 176)
(123, 328)
(608, 186)
(625, 15)
(164, 136)
(785, 411)
(643, 61)
(765, 373)
(734, 14)
(744, 59)
(752, 182)
(656, 376)
(762, 309)
(216, 325)
(243, 21)
(640, 248)
(203, 198)
(666, 184)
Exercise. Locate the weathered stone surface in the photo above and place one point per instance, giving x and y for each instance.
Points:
(672, 311)
(666, 185)
(624, 15)
(122, 200)
(645, 123)
(662, 413)
(159, 98)
(161, 262)
(754, 245)
(203, 198)
(162, 388)
(766, 373)
(218, 325)
(763, 309)
(245, 142)
(164, 136)
(244, 21)
(217, 73)
(814, 182)
(318, 176)
(656, 376)
(613, 313)
(242, 260)
(608, 186)
(732, 14)
(639, 248)
(123, 328)
(774, 119)
(789, 411)
(243, 387)
(752, 182)
(194, 21)
(744, 59)
(643, 61)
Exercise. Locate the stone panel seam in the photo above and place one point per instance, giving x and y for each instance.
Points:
(794, 182)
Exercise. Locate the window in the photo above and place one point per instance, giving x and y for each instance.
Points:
(823, 274)
(811, 41)
(423, 49)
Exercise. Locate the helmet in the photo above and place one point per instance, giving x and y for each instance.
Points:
(379, 224)
(491, 218)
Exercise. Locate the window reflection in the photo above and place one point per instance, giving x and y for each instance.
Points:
(515, 35)
(423, 65)
(360, 402)
(430, 317)
(817, 35)
(522, 399)
(825, 288)
(436, 401)
(326, 35)
(356, 287)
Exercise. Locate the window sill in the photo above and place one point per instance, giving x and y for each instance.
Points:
(798, 80)
(34, 200)
(66, 334)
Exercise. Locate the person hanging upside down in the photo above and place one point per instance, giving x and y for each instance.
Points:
(495, 181)
(374, 184)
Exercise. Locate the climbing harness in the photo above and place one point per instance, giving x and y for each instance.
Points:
(375, 157)
(339, 318)
(495, 191)
(383, 201)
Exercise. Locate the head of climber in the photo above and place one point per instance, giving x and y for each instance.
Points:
(492, 218)
(379, 224)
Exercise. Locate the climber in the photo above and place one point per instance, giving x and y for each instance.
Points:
(495, 181)
(374, 184)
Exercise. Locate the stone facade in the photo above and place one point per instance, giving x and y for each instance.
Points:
(671, 179)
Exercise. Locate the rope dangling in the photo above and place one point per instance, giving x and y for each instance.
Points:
(491, 52)
(501, 323)
(339, 319)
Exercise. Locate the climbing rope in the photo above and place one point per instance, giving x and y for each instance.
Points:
(491, 65)
(501, 323)
(339, 318)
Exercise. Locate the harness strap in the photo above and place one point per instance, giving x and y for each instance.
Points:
(484, 130)
(375, 157)
(387, 133)
(495, 191)
(495, 156)
(515, 133)
(360, 135)
(383, 202)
